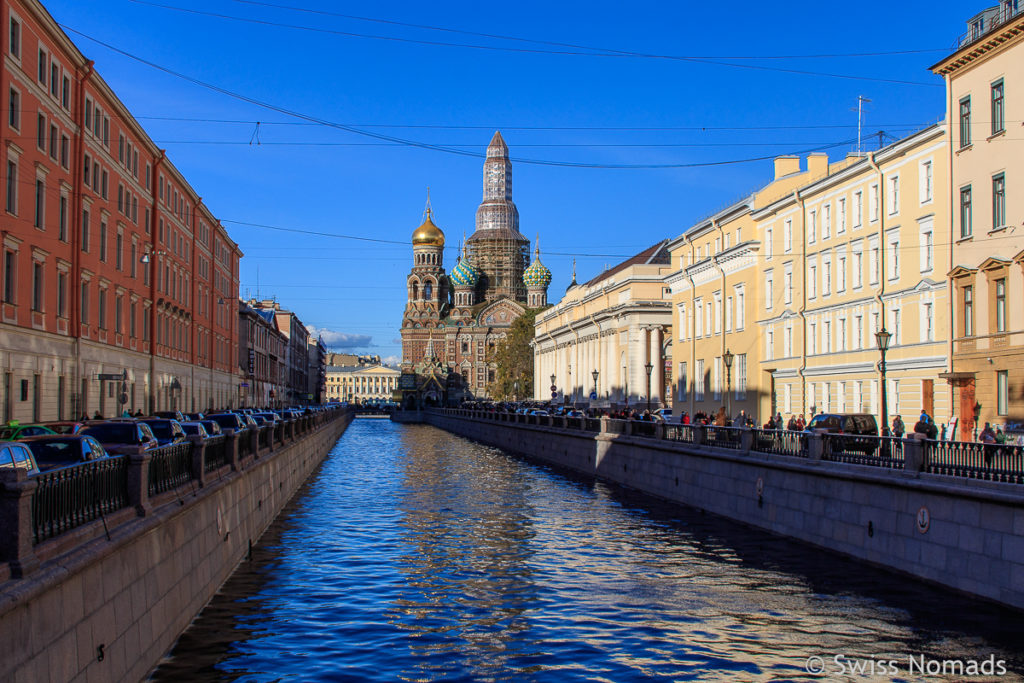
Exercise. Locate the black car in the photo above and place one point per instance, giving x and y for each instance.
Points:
(212, 428)
(60, 451)
(228, 421)
(849, 424)
(169, 415)
(122, 437)
(166, 431)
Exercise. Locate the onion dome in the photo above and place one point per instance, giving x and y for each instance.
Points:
(537, 274)
(428, 234)
(464, 274)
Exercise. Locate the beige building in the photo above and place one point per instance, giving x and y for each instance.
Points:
(361, 383)
(615, 324)
(795, 280)
(985, 106)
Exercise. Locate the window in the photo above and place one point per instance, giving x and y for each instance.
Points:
(788, 284)
(826, 275)
(998, 117)
(841, 272)
(787, 235)
(842, 216)
(968, 298)
(769, 345)
(37, 286)
(1001, 305)
(63, 225)
(1002, 392)
(62, 294)
(14, 109)
(103, 241)
(826, 345)
(858, 209)
(41, 132)
(40, 203)
(768, 243)
(929, 322)
(787, 341)
(84, 306)
(897, 328)
(858, 268)
(683, 324)
(718, 312)
(728, 314)
(812, 226)
(54, 142)
(119, 251)
(873, 208)
(707, 318)
(698, 319)
(998, 201)
(118, 320)
(927, 249)
(812, 280)
(966, 220)
(10, 280)
(826, 222)
(12, 187)
(894, 257)
(698, 387)
(858, 331)
(741, 377)
(965, 122)
(768, 293)
(682, 382)
(812, 339)
(101, 310)
(842, 334)
(894, 195)
(926, 182)
(740, 308)
(15, 38)
(85, 230)
(716, 379)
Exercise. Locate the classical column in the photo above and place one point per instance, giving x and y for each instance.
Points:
(658, 374)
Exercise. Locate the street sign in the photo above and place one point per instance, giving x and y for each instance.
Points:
(110, 377)
(593, 395)
(554, 394)
(554, 388)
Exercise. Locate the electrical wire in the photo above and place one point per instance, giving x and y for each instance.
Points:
(602, 53)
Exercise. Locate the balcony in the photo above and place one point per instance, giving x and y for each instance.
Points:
(987, 21)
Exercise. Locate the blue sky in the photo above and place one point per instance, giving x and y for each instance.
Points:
(608, 111)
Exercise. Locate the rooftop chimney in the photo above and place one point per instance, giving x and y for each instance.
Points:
(786, 166)
(817, 165)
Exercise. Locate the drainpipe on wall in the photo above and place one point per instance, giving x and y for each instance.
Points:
(950, 292)
(803, 302)
(75, 226)
(880, 292)
(693, 342)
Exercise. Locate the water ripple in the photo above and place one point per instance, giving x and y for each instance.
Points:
(414, 555)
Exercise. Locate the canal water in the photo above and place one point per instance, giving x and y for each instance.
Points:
(416, 555)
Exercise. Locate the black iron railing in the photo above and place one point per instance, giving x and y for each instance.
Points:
(245, 442)
(592, 424)
(722, 437)
(995, 462)
(265, 436)
(170, 467)
(877, 451)
(73, 496)
(216, 455)
(682, 433)
(780, 442)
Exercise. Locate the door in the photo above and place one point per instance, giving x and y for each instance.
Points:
(928, 397)
(966, 410)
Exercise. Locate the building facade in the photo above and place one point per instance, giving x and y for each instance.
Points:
(361, 383)
(111, 265)
(984, 80)
(316, 368)
(458, 318)
(615, 325)
(262, 354)
(296, 357)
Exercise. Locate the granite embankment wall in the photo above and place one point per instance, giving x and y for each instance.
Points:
(89, 608)
(965, 534)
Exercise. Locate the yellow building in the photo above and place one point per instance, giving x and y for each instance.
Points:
(615, 324)
(795, 280)
(714, 291)
(985, 106)
(843, 257)
(361, 383)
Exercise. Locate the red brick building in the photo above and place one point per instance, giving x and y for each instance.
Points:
(111, 264)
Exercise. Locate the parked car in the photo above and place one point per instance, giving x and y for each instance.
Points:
(212, 428)
(167, 431)
(16, 454)
(272, 418)
(228, 421)
(122, 437)
(14, 431)
(52, 452)
(194, 417)
(195, 429)
(663, 414)
(169, 415)
(65, 427)
(853, 424)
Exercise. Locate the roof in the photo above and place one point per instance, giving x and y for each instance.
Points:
(656, 254)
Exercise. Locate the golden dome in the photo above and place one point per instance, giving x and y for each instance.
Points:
(428, 234)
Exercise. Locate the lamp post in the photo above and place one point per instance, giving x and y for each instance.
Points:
(648, 367)
(883, 337)
(727, 359)
(515, 391)
(570, 386)
(553, 386)
(594, 374)
(625, 385)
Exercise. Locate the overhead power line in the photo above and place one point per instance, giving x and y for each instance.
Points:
(415, 143)
(591, 52)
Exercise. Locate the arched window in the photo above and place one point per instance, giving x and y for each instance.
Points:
(415, 290)
(428, 291)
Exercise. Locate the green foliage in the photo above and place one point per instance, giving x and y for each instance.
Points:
(513, 357)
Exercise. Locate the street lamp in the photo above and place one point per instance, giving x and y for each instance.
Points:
(553, 390)
(883, 338)
(727, 359)
(515, 391)
(570, 385)
(625, 385)
(648, 367)
(594, 374)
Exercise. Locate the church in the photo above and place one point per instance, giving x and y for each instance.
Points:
(453, 321)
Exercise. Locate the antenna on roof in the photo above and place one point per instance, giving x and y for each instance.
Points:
(861, 101)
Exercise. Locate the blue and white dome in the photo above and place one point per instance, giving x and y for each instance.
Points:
(464, 274)
(537, 274)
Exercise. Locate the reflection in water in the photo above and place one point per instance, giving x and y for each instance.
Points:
(416, 555)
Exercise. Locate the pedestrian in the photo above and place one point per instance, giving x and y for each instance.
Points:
(97, 416)
(1000, 436)
(741, 419)
(685, 419)
(800, 424)
(791, 425)
(898, 428)
(720, 417)
(778, 421)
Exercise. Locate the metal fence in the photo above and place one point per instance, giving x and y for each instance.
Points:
(780, 442)
(722, 437)
(216, 455)
(676, 432)
(244, 443)
(170, 467)
(73, 496)
(592, 424)
(877, 451)
(995, 462)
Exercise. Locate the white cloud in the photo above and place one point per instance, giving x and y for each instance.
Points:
(393, 361)
(340, 340)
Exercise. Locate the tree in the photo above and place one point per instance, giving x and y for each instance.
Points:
(513, 358)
